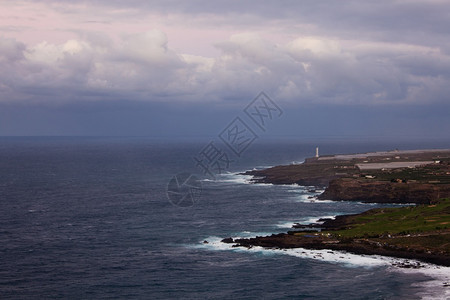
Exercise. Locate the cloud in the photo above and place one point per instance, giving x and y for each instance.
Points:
(154, 62)
(78, 70)
(143, 67)
(343, 52)
(11, 50)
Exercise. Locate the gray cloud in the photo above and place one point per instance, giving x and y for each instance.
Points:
(345, 52)
(402, 20)
(143, 67)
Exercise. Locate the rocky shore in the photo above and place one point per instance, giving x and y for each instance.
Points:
(382, 191)
(427, 240)
(356, 246)
(419, 176)
(421, 232)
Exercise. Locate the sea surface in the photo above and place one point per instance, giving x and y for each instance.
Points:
(90, 218)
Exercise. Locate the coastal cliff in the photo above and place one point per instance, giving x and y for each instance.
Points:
(419, 232)
(416, 176)
(347, 189)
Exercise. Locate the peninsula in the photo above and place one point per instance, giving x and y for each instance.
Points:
(419, 231)
(413, 176)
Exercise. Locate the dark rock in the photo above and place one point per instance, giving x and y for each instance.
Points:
(348, 189)
(324, 219)
(312, 225)
(228, 240)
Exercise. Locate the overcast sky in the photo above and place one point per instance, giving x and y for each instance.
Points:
(187, 68)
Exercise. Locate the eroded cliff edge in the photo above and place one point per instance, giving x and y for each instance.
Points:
(414, 176)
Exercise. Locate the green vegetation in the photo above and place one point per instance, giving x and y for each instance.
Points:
(398, 221)
(414, 232)
(419, 232)
(435, 173)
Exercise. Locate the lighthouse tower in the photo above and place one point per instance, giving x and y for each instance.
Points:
(317, 151)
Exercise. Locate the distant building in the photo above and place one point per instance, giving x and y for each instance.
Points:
(317, 151)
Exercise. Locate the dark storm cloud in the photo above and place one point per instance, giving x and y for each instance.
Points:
(339, 51)
(386, 20)
(143, 67)
(344, 55)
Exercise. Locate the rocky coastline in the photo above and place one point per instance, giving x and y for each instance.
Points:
(408, 246)
(421, 177)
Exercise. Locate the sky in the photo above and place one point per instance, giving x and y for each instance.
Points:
(181, 69)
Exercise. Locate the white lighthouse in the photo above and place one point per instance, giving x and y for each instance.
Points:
(317, 151)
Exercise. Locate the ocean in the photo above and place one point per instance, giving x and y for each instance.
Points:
(90, 218)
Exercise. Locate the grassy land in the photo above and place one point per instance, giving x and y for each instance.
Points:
(419, 232)
(436, 173)
(399, 221)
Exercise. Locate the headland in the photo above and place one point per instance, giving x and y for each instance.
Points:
(413, 176)
(420, 231)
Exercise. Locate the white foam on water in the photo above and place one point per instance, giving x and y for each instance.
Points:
(262, 167)
(303, 197)
(207, 180)
(309, 198)
(285, 224)
(239, 179)
(300, 190)
(432, 289)
(321, 217)
(306, 199)
(324, 201)
(348, 259)
(261, 184)
(332, 256)
(234, 178)
(214, 243)
(304, 220)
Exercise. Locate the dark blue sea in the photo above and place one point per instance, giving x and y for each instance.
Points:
(90, 218)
